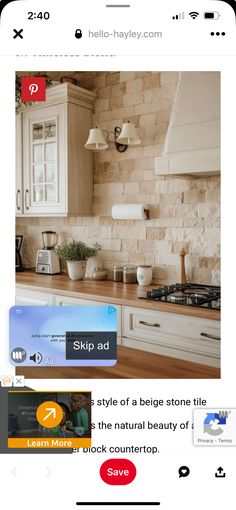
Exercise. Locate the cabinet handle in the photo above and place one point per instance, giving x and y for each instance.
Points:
(151, 324)
(26, 199)
(17, 200)
(213, 337)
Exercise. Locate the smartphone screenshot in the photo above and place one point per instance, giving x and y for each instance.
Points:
(117, 212)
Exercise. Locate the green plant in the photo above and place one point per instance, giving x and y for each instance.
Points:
(19, 102)
(77, 250)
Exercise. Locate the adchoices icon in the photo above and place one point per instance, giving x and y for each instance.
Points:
(214, 427)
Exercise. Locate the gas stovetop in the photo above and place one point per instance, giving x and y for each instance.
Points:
(190, 294)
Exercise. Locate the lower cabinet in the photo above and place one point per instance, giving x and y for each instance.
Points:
(26, 297)
(178, 336)
(70, 301)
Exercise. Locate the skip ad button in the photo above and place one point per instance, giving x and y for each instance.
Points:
(118, 471)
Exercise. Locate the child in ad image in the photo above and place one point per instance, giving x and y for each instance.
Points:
(79, 415)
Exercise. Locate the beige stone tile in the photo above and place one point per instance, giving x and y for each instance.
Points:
(121, 256)
(169, 78)
(129, 245)
(209, 262)
(148, 119)
(131, 187)
(101, 105)
(136, 258)
(142, 74)
(104, 93)
(163, 117)
(177, 246)
(123, 223)
(112, 78)
(100, 81)
(143, 164)
(147, 246)
(155, 233)
(134, 86)
(193, 197)
(136, 175)
(152, 150)
(111, 244)
(201, 275)
(133, 99)
(118, 90)
(148, 175)
(215, 277)
(127, 76)
(152, 81)
(116, 102)
(146, 187)
(128, 233)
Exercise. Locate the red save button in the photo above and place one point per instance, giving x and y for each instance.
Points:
(118, 471)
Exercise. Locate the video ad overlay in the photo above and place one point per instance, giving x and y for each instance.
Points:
(49, 419)
(214, 427)
(63, 336)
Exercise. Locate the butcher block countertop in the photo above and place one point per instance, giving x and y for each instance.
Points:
(106, 291)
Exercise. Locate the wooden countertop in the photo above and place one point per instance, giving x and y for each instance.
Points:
(131, 364)
(106, 291)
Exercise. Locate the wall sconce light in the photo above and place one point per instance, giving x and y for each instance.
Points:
(122, 137)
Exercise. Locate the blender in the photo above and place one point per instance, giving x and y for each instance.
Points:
(47, 260)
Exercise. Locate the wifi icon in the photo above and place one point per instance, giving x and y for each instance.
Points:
(194, 14)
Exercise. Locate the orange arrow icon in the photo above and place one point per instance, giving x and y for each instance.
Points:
(49, 414)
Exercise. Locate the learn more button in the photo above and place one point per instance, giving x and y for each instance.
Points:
(118, 471)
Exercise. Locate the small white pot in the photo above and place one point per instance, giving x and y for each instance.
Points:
(76, 269)
(144, 275)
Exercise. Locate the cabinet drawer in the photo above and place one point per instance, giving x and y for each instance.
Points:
(171, 352)
(171, 330)
(70, 301)
(26, 297)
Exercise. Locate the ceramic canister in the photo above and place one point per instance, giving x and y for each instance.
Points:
(144, 275)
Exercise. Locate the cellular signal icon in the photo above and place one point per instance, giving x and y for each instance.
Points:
(194, 14)
(179, 16)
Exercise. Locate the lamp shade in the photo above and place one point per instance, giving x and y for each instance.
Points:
(128, 135)
(96, 140)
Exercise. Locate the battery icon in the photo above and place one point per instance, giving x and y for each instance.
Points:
(211, 15)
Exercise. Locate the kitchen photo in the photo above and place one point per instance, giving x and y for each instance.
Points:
(118, 203)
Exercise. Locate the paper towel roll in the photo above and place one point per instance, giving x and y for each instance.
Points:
(130, 212)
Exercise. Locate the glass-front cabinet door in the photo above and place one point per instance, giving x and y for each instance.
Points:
(44, 150)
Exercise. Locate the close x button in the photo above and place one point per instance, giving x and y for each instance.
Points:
(18, 33)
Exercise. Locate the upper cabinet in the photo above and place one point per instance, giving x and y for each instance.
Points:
(192, 144)
(54, 171)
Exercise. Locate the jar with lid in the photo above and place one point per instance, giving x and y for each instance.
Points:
(144, 275)
(117, 274)
(99, 273)
(129, 274)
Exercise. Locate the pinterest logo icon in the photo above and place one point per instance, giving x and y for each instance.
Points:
(33, 89)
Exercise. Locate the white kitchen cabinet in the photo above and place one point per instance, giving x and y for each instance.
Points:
(69, 301)
(178, 336)
(25, 297)
(54, 170)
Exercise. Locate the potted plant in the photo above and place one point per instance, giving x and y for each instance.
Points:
(76, 253)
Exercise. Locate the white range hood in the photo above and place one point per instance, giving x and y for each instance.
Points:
(192, 143)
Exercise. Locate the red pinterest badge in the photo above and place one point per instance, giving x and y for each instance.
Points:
(33, 88)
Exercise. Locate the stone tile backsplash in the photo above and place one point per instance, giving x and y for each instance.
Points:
(184, 212)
